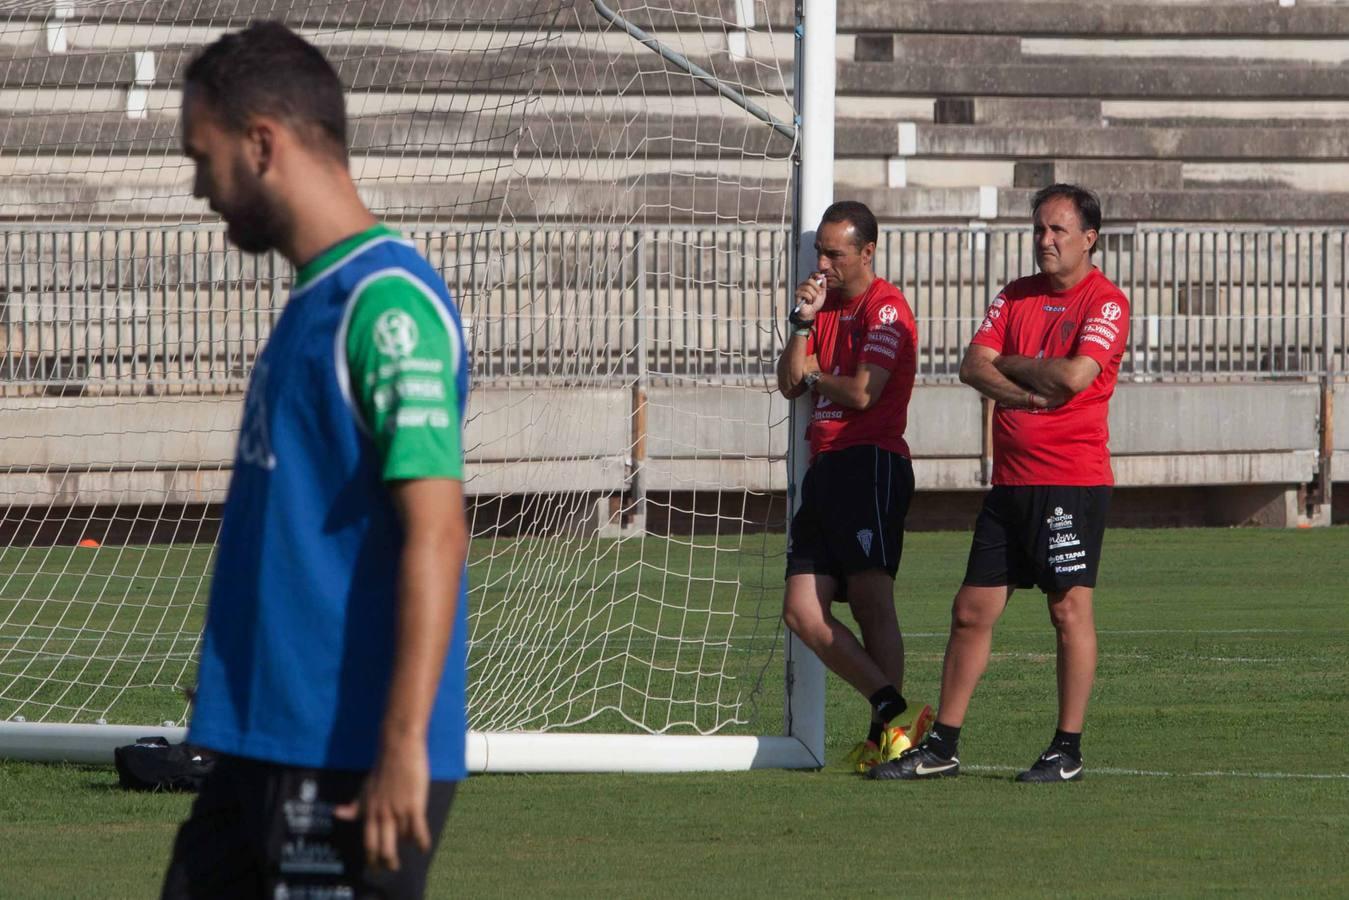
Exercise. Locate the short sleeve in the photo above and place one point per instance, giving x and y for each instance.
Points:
(889, 339)
(992, 331)
(401, 361)
(1105, 330)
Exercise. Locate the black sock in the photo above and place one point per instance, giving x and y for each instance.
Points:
(1069, 743)
(874, 735)
(943, 740)
(887, 703)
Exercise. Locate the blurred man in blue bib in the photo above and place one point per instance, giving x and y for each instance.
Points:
(333, 664)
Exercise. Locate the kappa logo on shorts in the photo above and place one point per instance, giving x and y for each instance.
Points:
(864, 538)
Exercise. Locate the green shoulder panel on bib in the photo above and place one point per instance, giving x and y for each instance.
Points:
(402, 365)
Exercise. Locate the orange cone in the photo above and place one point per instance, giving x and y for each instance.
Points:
(88, 542)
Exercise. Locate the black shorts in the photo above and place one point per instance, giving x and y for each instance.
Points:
(261, 830)
(851, 519)
(1038, 536)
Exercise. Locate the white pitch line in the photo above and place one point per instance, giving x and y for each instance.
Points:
(1049, 655)
(1144, 773)
(1216, 632)
(1324, 631)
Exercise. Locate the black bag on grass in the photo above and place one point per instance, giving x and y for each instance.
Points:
(153, 764)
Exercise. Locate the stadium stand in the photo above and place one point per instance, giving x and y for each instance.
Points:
(950, 112)
(1178, 112)
(950, 109)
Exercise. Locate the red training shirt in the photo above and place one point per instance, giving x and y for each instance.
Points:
(877, 328)
(1064, 446)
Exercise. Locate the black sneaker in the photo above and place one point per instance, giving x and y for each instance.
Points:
(1053, 766)
(916, 763)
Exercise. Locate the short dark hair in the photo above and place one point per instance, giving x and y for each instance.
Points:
(858, 216)
(1087, 203)
(267, 69)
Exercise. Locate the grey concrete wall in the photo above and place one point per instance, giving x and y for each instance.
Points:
(1209, 418)
(118, 432)
(703, 437)
(702, 420)
(541, 424)
(686, 422)
(136, 431)
(80, 449)
(1173, 470)
(945, 421)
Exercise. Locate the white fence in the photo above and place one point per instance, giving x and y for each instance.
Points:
(147, 310)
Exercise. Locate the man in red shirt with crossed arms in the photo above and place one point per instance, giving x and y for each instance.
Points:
(853, 343)
(1048, 353)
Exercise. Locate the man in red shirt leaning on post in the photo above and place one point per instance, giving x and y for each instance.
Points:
(1048, 353)
(853, 343)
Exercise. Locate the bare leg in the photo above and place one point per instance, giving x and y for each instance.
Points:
(805, 609)
(973, 614)
(1073, 618)
(871, 596)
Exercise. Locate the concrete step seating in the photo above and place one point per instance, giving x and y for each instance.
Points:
(1177, 111)
(1174, 111)
(1132, 18)
(1231, 18)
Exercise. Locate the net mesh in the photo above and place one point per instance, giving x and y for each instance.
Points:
(616, 236)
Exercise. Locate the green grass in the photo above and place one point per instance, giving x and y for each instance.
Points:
(1221, 652)
(112, 633)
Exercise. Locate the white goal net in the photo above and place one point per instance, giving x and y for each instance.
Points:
(617, 236)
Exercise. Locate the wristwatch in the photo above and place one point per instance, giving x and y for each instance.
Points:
(799, 325)
(811, 379)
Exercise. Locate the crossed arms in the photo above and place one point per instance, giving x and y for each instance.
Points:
(1019, 382)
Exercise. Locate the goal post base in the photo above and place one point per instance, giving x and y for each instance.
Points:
(88, 744)
(487, 751)
(552, 752)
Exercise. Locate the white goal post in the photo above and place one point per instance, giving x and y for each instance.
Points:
(619, 224)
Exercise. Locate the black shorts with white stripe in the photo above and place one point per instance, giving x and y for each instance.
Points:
(853, 505)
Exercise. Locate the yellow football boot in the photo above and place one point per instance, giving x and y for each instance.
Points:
(865, 756)
(906, 730)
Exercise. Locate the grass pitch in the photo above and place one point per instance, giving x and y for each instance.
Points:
(1217, 753)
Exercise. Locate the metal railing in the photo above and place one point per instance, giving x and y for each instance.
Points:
(143, 309)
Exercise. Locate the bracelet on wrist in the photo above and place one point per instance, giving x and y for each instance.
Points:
(798, 323)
